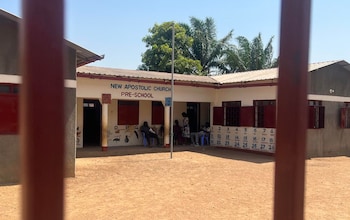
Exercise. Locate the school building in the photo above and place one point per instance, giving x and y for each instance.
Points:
(241, 107)
(106, 106)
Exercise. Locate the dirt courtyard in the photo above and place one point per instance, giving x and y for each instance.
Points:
(198, 183)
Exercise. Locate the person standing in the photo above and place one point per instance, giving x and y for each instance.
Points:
(186, 127)
(177, 133)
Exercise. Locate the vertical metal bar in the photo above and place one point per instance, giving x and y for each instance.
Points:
(42, 109)
(292, 110)
(172, 92)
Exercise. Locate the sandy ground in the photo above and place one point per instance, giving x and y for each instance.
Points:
(198, 183)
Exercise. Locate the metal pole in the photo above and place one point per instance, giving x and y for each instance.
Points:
(42, 109)
(172, 95)
(292, 110)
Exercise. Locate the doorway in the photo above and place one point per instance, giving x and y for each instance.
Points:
(199, 115)
(92, 123)
(193, 115)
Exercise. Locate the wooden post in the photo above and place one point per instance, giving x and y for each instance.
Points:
(42, 109)
(292, 110)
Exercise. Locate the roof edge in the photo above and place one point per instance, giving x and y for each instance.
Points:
(85, 55)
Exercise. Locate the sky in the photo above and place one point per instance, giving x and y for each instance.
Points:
(115, 28)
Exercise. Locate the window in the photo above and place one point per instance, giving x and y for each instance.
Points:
(316, 114)
(231, 113)
(9, 109)
(345, 116)
(5, 88)
(262, 114)
(89, 105)
(265, 113)
(128, 112)
(157, 113)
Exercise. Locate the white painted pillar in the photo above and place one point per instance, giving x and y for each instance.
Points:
(167, 126)
(104, 129)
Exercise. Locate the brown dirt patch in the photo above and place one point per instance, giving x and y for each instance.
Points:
(198, 183)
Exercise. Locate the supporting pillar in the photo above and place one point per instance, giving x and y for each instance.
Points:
(42, 109)
(167, 126)
(292, 110)
(104, 129)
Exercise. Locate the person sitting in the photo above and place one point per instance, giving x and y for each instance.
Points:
(205, 131)
(149, 133)
(196, 136)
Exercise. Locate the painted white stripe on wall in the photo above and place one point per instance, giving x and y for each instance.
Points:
(69, 83)
(329, 98)
(4, 78)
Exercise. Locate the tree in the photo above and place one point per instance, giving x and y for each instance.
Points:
(158, 56)
(197, 50)
(248, 55)
(206, 48)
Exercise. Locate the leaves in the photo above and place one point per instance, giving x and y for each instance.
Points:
(198, 51)
(206, 48)
(158, 56)
(249, 55)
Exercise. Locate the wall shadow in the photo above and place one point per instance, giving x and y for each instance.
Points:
(124, 151)
(234, 154)
(227, 153)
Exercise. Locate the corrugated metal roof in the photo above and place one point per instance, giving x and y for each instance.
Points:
(84, 56)
(260, 75)
(315, 66)
(249, 76)
(112, 72)
(9, 16)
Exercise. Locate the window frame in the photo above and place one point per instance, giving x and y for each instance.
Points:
(316, 114)
(231, 113)
(345, 116)
(265, 113)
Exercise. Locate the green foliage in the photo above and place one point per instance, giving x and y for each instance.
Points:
(198, 51)
(249, 55)
(159, 53)
(206, 48)
(187, 66)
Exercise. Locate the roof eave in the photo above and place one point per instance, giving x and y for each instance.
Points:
(84, 56)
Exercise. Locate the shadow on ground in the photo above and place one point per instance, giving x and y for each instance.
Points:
(227, 153)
